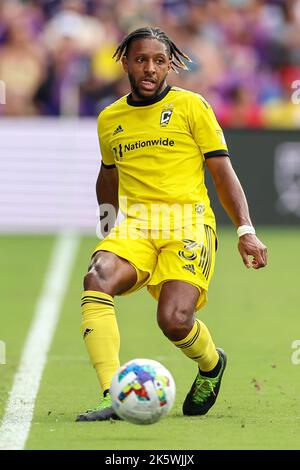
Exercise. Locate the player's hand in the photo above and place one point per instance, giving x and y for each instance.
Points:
(250, 246)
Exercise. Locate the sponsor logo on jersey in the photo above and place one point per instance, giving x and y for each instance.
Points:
(148, 143)
(120, 149)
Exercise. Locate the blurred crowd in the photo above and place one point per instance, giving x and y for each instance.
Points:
(56, 55)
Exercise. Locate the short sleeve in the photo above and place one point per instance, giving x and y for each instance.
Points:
(205, 129)
(106, 153)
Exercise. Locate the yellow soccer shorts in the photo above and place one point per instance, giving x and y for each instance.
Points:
(188, 255)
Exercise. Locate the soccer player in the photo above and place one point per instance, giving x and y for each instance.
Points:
(155, 143)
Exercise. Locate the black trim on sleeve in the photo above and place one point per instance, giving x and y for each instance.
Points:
(216, 153)
(108, 167)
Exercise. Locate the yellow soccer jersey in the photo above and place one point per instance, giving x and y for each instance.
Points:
(159, 147)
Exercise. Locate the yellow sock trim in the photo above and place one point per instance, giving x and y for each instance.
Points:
(101, 334)
(199, 346)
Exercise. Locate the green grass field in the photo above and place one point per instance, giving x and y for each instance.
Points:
(253, 315)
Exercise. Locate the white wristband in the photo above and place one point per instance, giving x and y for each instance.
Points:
(244, 229)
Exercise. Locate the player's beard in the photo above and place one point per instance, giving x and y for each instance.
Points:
(135, 88)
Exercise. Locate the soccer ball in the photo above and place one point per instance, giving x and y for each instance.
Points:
(142, 391)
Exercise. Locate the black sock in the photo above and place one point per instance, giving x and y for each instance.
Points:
(213, 373)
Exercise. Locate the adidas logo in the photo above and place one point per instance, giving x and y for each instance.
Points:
(87, 331)
(118, 129)
(189, 267)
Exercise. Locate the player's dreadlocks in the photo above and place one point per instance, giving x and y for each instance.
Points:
(153, 33)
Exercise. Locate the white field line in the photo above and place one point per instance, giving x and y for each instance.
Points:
(20, 407)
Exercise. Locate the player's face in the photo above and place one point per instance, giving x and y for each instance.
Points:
(147, 65)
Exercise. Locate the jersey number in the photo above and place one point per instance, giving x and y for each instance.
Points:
(118, 151)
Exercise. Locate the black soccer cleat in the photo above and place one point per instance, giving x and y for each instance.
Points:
(103, 412)
(204, 391)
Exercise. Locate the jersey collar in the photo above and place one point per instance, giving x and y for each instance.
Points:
(149, 101)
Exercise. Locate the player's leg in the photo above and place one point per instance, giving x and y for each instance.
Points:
(175, 316)
(122, 263)
(108, 275)
(191, 260)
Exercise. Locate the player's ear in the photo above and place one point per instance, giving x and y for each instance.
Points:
(125, 64)
(169, 65)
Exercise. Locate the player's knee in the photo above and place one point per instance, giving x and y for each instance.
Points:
(99, 275)
(175, 323)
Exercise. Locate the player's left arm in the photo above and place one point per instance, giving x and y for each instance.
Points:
(233, 199)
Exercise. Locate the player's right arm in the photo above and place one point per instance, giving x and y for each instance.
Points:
(107, 197)
(107, 181)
